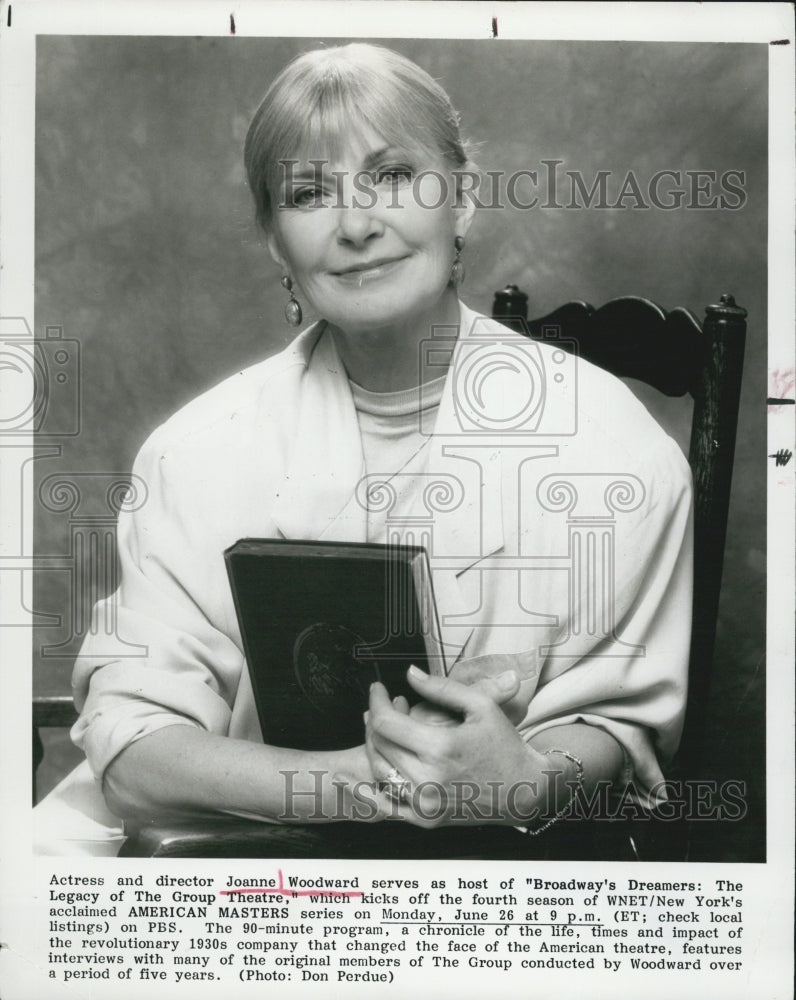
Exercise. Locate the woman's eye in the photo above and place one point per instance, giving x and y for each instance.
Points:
(394, 176)
(307, 197)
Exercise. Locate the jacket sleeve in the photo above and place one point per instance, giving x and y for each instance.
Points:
(170, 659)
(631, 679)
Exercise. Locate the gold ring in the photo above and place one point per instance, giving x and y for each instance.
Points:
(395, 787)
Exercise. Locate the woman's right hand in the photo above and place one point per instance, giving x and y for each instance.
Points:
(501, 687)
(354, 791)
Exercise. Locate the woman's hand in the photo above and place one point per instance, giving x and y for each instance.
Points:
(488, 674)
(477, 770)
(355, 792)
(486, 671)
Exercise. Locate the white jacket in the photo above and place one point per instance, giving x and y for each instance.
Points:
(552, 479)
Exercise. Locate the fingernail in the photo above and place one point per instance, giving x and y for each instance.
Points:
(417, 673)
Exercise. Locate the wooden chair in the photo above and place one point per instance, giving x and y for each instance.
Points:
(632, 338)
(676, 355)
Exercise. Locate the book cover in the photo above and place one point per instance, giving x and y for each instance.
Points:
(321, 621)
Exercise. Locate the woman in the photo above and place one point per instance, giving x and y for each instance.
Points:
(357, 170)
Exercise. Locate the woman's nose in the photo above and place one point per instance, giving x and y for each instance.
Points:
(357, 222)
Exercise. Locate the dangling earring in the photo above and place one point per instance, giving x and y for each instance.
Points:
(293, 308)
(457, 268)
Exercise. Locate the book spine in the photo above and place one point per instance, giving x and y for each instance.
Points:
(429, 619)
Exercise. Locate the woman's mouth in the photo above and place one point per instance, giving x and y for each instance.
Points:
(367, 271)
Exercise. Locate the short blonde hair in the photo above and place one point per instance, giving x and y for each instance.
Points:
(321, 97)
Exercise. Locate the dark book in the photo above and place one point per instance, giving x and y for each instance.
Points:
(320, 622)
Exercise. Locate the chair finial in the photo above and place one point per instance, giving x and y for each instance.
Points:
(726, 306)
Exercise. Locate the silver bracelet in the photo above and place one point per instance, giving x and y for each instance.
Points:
(565, 809)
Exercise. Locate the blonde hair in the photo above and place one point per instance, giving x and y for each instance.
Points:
(323, 96)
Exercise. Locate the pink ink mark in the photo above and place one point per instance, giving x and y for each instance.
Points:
(283, 890)
(782, 384)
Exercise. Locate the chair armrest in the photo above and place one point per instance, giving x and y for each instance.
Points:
(221, 837)
(237, 838)
(54, 710)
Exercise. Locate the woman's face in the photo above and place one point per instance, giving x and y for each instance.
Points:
(369, 238)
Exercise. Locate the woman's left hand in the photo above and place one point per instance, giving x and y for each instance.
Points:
(478, 770)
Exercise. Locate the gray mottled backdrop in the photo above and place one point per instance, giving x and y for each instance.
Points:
(148, 256)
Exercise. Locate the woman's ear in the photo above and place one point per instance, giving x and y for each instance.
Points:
(275, 250)
(465, 210)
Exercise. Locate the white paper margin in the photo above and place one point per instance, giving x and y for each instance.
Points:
(769, 887)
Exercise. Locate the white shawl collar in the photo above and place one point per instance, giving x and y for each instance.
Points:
(317, 498)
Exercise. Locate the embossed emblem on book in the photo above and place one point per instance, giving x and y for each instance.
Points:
(328, 669)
